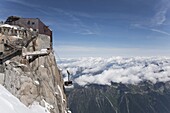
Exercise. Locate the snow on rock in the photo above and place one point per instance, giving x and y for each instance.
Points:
(9, 26)
(68, 111)
(44, 50)
(36, 108)
(41, 65)
(37, 82)
(11, 104)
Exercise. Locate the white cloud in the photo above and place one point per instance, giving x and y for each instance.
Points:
(158, 19)
(22, 2)
(77, 25)
(160, 16)
(25, 3)
(150, 29)
(159, 31)
(117, 69)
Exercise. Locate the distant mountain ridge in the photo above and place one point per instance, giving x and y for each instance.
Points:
(146, 97)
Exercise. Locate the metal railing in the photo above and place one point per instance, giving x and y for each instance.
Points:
(14, 46)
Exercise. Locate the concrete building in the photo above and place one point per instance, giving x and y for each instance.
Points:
(35, 23)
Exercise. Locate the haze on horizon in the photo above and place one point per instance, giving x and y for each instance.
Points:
(85, 28)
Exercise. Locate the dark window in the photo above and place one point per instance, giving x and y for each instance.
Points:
(45, 29)
(33, 23)
(28, 22)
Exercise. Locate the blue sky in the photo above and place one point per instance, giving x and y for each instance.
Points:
(100, 28)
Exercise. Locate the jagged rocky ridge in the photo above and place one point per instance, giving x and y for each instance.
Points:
(145, 97)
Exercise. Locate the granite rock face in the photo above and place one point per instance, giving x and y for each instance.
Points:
(27, 72)
(40, 81)
(34, 78)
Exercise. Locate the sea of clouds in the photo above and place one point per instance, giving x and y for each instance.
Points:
(116, 69)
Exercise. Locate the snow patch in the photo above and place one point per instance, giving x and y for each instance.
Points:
(11, 104)
(41, 65)
(37, 82)
(9, 26)
(67, 111)
(36, 108)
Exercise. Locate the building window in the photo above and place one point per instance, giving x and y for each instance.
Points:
(33, 23)
(28, 22)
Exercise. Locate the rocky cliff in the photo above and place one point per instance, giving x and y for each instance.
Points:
(38, 82)
(32, 79)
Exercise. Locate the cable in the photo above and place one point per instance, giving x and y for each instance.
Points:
(58, 56)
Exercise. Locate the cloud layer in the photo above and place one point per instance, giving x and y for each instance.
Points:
(116, 69)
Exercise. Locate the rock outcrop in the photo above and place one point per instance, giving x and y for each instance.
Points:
(34, 77)
(40, 81)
